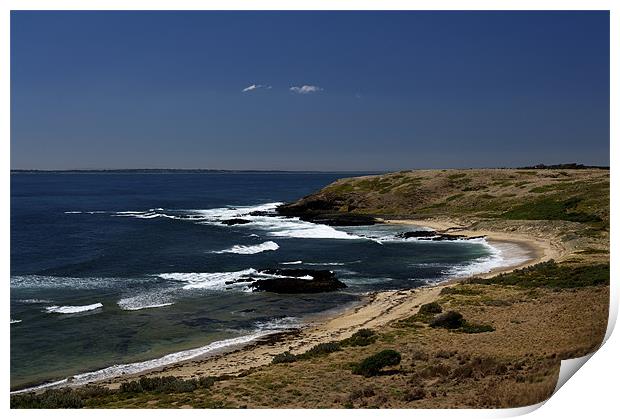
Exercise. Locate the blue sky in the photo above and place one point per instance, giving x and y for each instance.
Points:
(333, 90)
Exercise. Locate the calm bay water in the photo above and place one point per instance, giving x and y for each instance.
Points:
(118, 268)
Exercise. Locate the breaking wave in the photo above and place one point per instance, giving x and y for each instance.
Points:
(136, 367)
(251, 249)
(209, 280)
(282, 323)
(262, 216)
(46, 281)
(502, 255)
(154, 299)
(72, 309)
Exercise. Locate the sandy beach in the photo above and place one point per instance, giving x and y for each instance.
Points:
(374, 311)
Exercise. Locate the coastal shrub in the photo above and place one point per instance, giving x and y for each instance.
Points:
(66, 398)
(459, 290)
(92, 390)
(552, 275)
(373, 365)
(425, 314)
(131, 387)
(320, 350)
(166, 385)
(448, 320)
(362, 337)
(361, 393)
(284, 358)
(550, 209)
(467, 327)
(430, 308)
(414, 394)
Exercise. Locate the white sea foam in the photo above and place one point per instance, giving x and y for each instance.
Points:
(136, 367)
(128, 307)
(149, 299)
(501, 255)
(282, 323)
(15, 321)
(326, 263)
(275, 226)
(251, 249)
(219, 281)
(209, 280)
(34, 301)
(295, 262)
(72, 309)
(45, 281)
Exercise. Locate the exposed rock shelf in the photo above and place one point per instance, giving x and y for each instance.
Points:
(293, 281)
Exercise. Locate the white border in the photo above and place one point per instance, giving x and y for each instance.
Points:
(592, 392)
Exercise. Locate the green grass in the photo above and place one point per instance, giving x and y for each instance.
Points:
(550, 209)
(362, 337)
(475, 328)
(373, 365)
(460, 290)
(453, 197)
(552, 275)
(130, 394)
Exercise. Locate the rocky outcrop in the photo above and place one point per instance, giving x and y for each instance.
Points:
(235, 221)
(293, 281)
(324, 212)
(435, 236)
(298, 281)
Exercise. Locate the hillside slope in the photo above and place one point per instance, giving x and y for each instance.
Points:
(568, 206)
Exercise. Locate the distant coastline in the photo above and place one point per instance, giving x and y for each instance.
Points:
(181, 171)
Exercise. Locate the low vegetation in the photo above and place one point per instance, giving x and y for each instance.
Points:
(362, 337)
(552, 275)
(550, 209)
(373, 365)
(90, 395)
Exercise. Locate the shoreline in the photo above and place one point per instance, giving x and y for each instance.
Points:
(373, 310)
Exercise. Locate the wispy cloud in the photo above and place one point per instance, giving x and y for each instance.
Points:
(255, 87)
(305, 89)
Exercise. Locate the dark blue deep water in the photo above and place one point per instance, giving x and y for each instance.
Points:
(117, 268)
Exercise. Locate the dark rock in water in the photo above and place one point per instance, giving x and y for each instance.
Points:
(322, 212)
(448, 237)
(416, 234)
(235, 221)
(297, 281)
(243, 279)
(435, 236)
(263, 214)
(340, 219)
(300, 272)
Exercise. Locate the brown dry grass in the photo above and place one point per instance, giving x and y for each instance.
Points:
(515, 365)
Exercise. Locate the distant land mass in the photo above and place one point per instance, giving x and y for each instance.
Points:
(562, 166)
(156, 171)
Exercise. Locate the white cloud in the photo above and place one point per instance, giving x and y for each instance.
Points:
(305, 89)
(255, 87)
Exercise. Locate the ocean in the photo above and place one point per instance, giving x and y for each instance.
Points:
(120, 272)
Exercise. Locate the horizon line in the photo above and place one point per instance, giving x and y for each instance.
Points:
(197, 170)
